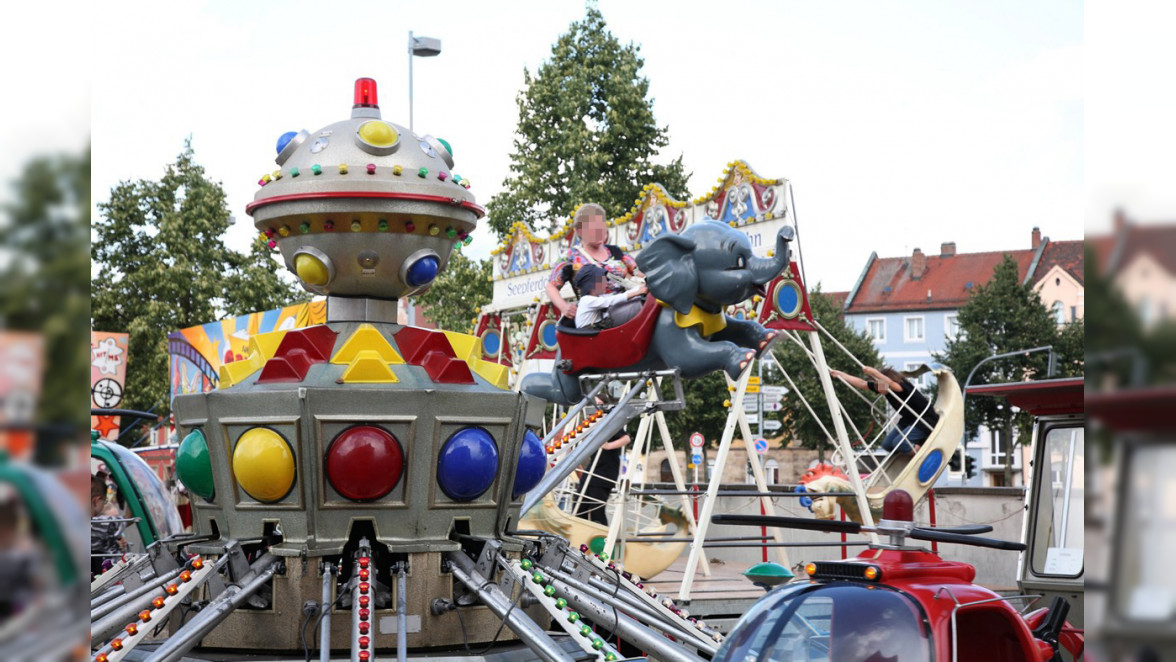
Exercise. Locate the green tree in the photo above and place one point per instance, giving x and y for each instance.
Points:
(704, 411)
(45, 233)
(586, 133)
(163, 266)
(799, 423)
(1005, 315)
(457, 294)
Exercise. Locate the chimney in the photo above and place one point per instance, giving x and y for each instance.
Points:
(918, 264)
(1036, 238)
(947, 249)
(1120, 221)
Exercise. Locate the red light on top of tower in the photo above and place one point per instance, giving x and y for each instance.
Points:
(365, 93)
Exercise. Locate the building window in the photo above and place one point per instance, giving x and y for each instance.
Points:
(951, 326)
(876, 328)
(667, 475)
(921, 380)
(772, 472)
(913, 329)
(1059, 312)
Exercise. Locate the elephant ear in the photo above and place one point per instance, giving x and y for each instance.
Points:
(670, 274)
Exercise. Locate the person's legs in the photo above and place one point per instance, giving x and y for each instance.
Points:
(899, 438)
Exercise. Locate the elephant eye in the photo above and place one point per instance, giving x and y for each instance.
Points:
(740, 262)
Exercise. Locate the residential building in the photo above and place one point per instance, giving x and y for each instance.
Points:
(1141, 260)
(910, 306)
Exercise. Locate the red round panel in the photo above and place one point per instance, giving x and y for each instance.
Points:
(364, 462)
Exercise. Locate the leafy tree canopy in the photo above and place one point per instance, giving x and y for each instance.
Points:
(162, 265)
(586, 133)
(457, 294)
(1006, 315)
(45, 232)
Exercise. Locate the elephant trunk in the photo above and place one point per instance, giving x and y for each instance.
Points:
(764, 269)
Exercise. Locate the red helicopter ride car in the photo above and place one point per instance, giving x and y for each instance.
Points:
(895, 602)
(899, 602)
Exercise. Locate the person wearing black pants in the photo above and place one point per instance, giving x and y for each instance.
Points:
(603, 479)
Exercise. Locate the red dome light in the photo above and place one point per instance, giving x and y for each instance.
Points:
(365, 93)
(364, 463)
(898, 507)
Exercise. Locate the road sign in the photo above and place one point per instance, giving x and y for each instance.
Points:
(761, 445)
(753, 381)
(752, 388)
(750, 405)
(773, 391)
(772, 424)
(696, 440)
(696, 459)
(752, 419)
(773, 406)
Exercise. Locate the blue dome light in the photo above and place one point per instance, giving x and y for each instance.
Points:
(532, 464)
(285, 139)
(423, 271)
(468, 464)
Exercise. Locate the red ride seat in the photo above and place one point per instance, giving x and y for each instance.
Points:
(608, 349)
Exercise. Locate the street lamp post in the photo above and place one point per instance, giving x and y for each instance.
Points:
(423, 47)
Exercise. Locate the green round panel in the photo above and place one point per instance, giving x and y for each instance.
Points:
(193, 465)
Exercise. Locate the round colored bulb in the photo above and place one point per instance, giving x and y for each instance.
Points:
(311, 269)
(468, 464)
(378, 133)
(263, 464)
(422, 271)
(193, 465)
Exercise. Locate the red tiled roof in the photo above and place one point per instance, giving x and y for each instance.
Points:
(888, 285)
(1068, 255)
(1158, 241)
(1103, 247)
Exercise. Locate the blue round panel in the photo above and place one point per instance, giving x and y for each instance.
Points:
(532, 464)
(788, 299)
(423, 271)
(930, 465)
(547, 335)
(468, 464)
(491, 343)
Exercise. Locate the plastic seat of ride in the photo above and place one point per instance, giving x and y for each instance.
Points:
(606, 349)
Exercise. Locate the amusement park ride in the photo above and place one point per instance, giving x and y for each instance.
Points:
(360, 486)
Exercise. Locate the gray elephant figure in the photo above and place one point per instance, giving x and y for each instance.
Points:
(694, 275)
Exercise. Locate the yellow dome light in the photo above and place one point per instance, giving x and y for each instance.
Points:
(378, 133)
(312, 269)
(263, 464)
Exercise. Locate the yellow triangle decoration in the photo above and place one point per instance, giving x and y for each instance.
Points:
(368, 367)
(366, 339)
(495, 373)
(265, 345)
(466, 347)
(234, 373)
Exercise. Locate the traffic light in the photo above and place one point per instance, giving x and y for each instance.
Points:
(969, 466)
(954, 462)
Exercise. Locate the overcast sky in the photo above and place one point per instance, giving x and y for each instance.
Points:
(900, 125)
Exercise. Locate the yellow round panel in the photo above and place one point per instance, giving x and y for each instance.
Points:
(311, 269)
(379, 134)
(263, 464)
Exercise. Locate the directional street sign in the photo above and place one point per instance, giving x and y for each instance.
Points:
(772, 424)
(752, 388)
(773, 391)
(750, 405)
(753, 381)
(752, 419)
(773, 406)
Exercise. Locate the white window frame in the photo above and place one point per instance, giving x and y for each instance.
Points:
(870, 320)
(950, 320)
(906, 328)
(1058, 311)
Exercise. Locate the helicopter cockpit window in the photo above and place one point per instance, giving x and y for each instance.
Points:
(1059, 520)
(163, 514)
(1144, 582)
(830, 623)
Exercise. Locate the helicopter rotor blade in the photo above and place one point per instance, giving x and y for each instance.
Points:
(964, 529)
(942, 536)
(829, 526)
